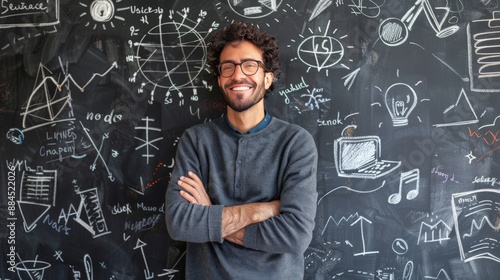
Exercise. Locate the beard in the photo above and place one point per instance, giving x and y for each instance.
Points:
(237, 103)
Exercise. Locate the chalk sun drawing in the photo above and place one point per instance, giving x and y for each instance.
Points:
(321, 51)
(101, 12)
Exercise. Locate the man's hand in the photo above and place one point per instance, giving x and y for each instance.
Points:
(234, 218)
(237, 237)
(193, 190)
(237, 217)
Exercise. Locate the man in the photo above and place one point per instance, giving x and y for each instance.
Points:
(243, 191)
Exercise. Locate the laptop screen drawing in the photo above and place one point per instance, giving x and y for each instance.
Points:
(359, 157)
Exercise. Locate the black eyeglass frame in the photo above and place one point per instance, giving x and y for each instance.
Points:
(259, 64)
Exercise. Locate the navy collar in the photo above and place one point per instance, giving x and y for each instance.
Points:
(257, 128)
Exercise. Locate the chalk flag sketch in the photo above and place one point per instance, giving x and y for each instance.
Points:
(433, 231)
(37, 195)
(483, 57)
(409, 179)
(171, 55)
(253, 9)
(31, 269)
(477, 222)
(22, 14)
(93, 218)
(147, 143)
(359, 157)
(400, 100)
(44, 106)
(458, 111)
(394, 31)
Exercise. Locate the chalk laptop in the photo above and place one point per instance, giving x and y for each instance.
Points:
(359, 157)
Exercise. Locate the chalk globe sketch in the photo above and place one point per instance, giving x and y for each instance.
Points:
(171, 55)
(320, 51)
(254, 8)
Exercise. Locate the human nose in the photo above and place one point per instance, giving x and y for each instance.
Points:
(238, 71)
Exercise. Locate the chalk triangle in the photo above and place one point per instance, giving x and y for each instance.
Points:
(31, 213)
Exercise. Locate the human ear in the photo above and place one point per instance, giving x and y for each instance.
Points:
(269, 77)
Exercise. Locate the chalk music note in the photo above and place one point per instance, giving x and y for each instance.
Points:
(411, 179)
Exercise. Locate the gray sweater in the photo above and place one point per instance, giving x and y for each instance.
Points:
(277, 162)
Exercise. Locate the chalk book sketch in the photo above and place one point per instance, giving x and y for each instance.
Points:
(359, 157)
(477, 222)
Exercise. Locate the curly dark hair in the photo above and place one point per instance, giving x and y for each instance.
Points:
(245, 31)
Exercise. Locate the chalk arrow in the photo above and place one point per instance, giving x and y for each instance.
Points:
(140, 245)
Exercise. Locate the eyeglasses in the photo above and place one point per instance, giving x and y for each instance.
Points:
(248, 67)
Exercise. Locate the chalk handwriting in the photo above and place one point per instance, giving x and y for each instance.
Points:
(61, 228)
(446, 177)
(492, 181)
(36, 7)
(146, 10)
(331, 122)
(293, 87)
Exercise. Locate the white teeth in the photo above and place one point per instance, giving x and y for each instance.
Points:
(241, 88)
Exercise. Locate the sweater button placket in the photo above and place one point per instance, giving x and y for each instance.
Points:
(239, 163)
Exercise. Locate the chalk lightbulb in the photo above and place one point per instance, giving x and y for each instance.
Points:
(400, 100)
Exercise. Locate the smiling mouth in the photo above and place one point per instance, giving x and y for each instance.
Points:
(240, 88)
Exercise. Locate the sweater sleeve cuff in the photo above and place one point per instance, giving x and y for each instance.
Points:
(250, 238)
(215, 223)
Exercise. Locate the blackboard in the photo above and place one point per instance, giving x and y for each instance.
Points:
(95, 95)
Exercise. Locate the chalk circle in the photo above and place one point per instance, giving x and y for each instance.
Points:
(399, 246)
(177, 60)
(393, 32)
(102, 10)
(15, 135)
(31, 269)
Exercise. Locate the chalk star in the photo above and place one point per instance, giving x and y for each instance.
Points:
(58, 255)
(470, 156)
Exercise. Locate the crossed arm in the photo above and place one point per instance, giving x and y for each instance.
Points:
(234, 218)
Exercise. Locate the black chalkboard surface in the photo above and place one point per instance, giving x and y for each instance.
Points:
(95, 95)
